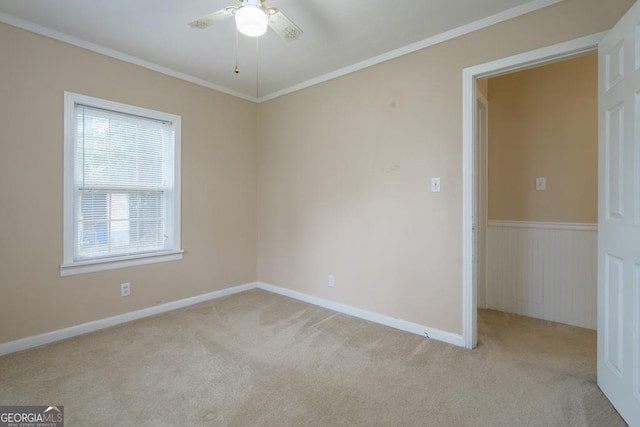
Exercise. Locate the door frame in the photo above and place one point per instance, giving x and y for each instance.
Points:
(470, 75)
(480, 192)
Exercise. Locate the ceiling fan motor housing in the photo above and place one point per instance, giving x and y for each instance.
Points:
(252, 19)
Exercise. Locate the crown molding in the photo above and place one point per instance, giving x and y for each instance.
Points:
(529, 7)
(440, 38)
(75, 41)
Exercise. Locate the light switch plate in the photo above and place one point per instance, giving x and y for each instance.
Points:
(541, 184)
(125, 289)
(435, 184)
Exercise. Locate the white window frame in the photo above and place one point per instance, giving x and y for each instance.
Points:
(71, 266)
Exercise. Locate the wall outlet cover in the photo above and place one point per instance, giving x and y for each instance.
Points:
(331, 280)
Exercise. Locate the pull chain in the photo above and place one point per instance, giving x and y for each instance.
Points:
(257, 67)
(237, 70)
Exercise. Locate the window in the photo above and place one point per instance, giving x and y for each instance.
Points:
(122, 185)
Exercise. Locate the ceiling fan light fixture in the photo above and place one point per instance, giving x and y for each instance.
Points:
(252, 20)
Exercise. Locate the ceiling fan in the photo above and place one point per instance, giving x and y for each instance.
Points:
(252, 18)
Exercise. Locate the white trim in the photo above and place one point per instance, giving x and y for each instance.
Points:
(63, 37)
(534, 58)
(94, 265)
(422, 44)
(71, 266)
(61, 334)
(470, 75)
(381, 319)
(572, 226)
(439, 38)
(481, 240)
(469, 287)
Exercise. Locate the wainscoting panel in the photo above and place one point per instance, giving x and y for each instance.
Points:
(543, 270)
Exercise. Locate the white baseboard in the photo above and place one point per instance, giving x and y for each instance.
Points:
(61, 334)
(49, 337)
(381, 319)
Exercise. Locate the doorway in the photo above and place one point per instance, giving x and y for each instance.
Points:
(470, 149)
(541, 245)
(618, 353)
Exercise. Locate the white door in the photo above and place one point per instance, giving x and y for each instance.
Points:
(619, 216)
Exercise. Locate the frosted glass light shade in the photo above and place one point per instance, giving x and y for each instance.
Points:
(251, 20)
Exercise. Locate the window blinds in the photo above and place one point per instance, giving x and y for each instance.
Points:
(123, 182)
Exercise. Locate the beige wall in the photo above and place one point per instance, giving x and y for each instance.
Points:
(345, 168)
(218, 187)
(342, 179)
(543, 122)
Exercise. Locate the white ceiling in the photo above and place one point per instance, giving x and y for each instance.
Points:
(339, 35)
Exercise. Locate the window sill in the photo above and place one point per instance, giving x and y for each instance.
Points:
(92, 266)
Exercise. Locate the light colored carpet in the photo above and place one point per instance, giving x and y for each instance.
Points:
(259, 359)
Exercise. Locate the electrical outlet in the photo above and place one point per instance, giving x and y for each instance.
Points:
(125, 289)
(331, 280)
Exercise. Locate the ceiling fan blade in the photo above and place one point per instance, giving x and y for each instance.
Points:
(284, 26)
(210, 19)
